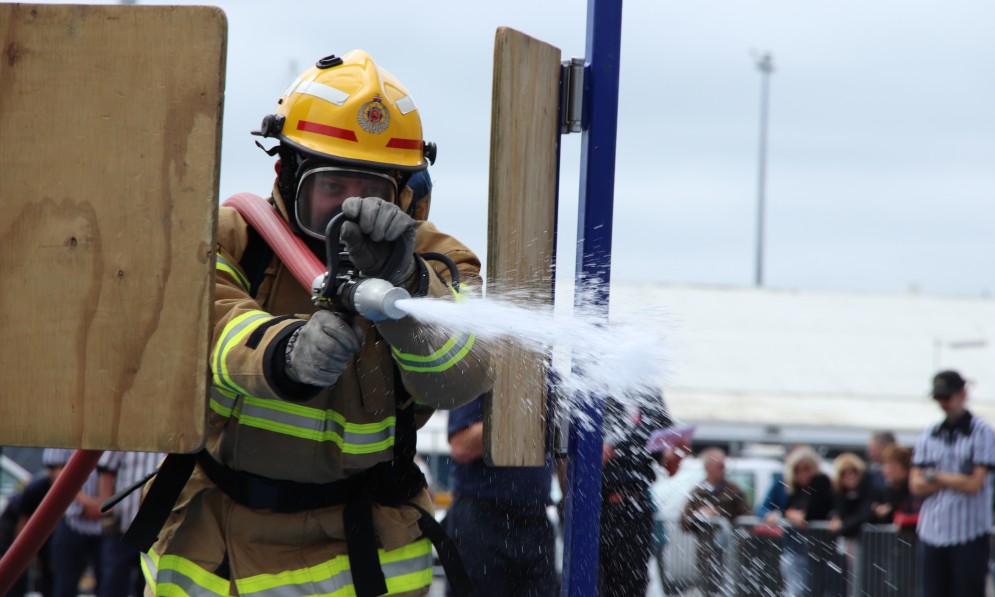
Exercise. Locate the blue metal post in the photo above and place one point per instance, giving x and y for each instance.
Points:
(583, 496)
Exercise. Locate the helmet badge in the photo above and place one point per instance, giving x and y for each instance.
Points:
(373, 116)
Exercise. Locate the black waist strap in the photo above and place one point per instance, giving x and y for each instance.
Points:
(257, 492)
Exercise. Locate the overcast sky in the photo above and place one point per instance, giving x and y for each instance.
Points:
(881, 163)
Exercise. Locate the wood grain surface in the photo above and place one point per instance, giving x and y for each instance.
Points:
(521, 235)
(110, 124)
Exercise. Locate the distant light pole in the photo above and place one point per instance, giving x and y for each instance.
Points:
(765, 64)
(939, 343)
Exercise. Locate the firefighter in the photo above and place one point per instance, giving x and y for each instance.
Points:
(306, 484)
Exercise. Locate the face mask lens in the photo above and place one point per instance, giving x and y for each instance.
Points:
(322, 191)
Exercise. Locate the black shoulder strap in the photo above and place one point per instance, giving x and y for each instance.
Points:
(449, 556)
(159, 501)
(255, 260)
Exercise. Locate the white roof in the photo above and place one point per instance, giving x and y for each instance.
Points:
(760, 364)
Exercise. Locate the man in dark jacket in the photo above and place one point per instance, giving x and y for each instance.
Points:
(626, 504)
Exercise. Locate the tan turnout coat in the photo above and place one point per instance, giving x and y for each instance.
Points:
(340, 431)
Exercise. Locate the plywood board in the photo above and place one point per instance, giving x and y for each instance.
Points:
(521, 234)
(109, 143)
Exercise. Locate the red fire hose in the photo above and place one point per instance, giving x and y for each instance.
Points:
(292, 251)
(43, 521)
(304, 266)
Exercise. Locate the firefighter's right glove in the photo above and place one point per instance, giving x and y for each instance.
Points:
(371, 236)
(319, 351)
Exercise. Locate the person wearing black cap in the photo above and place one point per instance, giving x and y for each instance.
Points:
(950, 469)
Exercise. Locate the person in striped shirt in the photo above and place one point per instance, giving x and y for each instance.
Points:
(121, 572)
(950, 467)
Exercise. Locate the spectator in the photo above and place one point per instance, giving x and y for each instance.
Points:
(777, 496)
(876, 445)
(893, 503)
(122, 573)
(498, 515)
(710, 507)
(21, 507)
(810, 498)
(626, 538)
(776, 499)
(853, 489)
(950, 468)
(76, 541)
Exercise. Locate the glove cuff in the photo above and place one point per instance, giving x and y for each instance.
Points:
(416, 283)
(275, 368)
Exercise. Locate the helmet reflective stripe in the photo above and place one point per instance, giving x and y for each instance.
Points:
(406, 104)
(325, 92)
(325, 129)
(232, 335)
(293, 86)
(408, 568)
(405, 144)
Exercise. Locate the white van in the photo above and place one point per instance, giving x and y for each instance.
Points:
(13, 478)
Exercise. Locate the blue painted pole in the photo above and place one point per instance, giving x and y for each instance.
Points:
(582, 508)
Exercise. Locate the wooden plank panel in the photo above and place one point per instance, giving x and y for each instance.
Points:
(109, 143)
(520, 234)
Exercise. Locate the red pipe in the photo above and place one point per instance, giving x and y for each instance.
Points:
(304, 266)
(263, 217)
(62, 493)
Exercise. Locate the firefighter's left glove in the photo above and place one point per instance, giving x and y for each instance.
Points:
(380, 239)
(319, 351)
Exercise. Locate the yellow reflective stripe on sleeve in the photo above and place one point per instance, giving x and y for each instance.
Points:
(406, 569)
(222, 401)
(223, 265)
(173, 575)
(231, 336)
(451, 353)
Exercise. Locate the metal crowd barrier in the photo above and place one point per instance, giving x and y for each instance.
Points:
(743, 559)
(888, 563)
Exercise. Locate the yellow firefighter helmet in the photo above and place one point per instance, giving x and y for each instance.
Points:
(351, 112)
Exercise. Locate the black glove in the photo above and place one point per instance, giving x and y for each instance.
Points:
(320, 349)
(371, 234)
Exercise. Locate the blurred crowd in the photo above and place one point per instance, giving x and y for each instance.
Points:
(936, 496)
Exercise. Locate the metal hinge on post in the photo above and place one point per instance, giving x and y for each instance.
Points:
(572, 96)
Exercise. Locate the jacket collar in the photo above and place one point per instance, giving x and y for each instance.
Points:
(961, 425)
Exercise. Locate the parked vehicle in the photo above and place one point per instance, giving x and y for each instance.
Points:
(13, 478)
